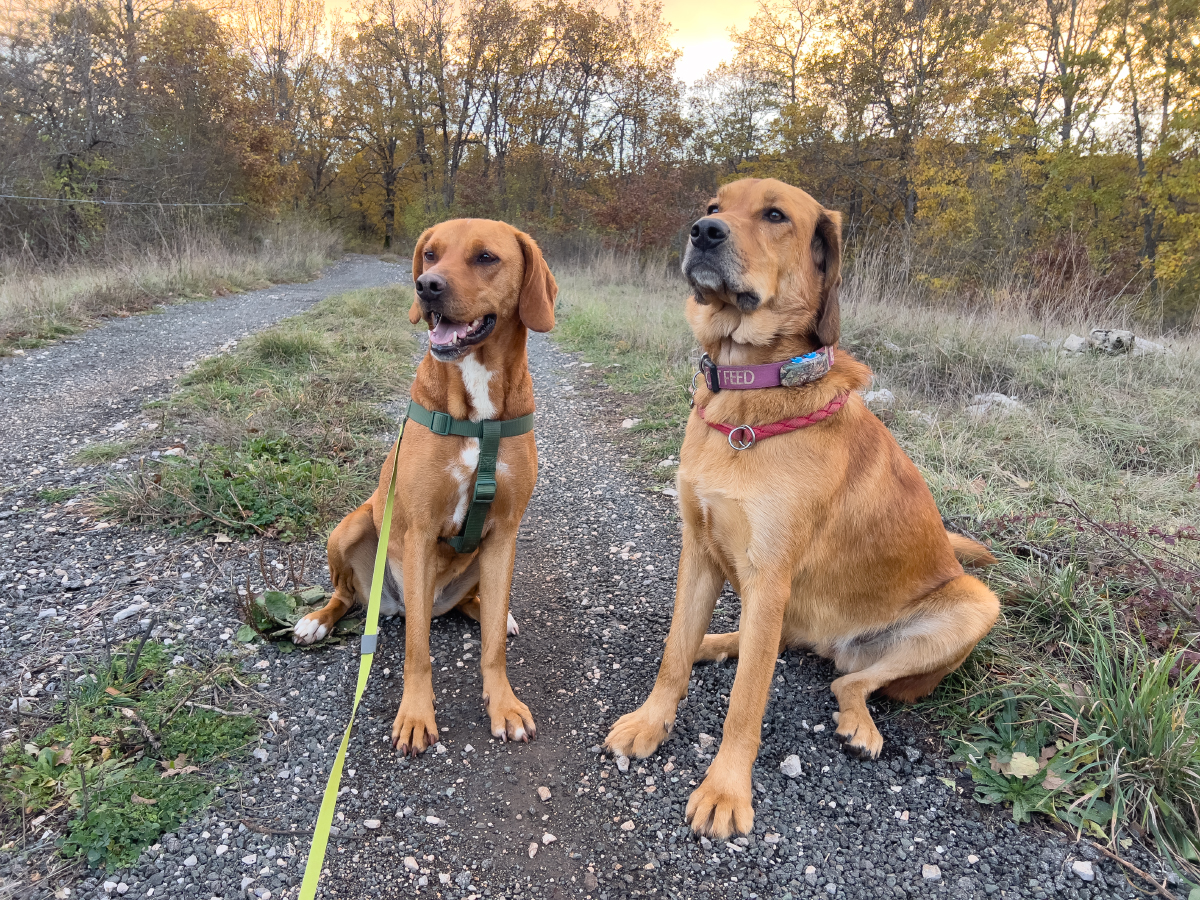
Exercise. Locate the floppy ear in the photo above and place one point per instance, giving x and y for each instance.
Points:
(414, 311)
(538, 288)
(827, 256)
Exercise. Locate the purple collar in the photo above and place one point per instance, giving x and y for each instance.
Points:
(790, 373)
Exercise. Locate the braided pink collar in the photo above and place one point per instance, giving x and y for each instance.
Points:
(748, 435)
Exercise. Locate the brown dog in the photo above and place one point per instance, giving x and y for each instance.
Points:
(480, 285)
(828, 532)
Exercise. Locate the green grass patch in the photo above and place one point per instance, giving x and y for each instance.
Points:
(106, 451)
(129, 756)
(287, 432)
(57, 495)
(272, 616)
(1082, 702)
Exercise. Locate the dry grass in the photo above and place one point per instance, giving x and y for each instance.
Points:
(39, 304)
(1089, 495)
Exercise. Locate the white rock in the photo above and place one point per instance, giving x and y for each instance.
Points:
(818, 728)
(129, 612)
(994, 404)
(222, 849)
(1143, 347)
(371, 823)
(122, 887)
(444, 877)
(1083, 869)
(890, 347)
(922, 417)
(1072, 344)
(246, 882)
(410, 863)
(1113, 341)
(629, 423)
(1030, 343)
(931, 873)
(533, 848)
(972, 859)
(627, 825)
(622, 763)
(667, 464)
(544, 794)
(109, 886)
(706, 740)
(791, 766)
(260, 754)
(250, 859)
(879, 400)
(191, 861)
(548, 839)
(175, 451)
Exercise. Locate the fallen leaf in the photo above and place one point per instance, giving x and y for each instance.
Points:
(184, 771)
(112, 691)
(1022, 765)
(222, 538)
(143, 801)
(1052, 782)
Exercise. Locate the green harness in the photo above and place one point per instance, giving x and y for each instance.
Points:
(489, 432)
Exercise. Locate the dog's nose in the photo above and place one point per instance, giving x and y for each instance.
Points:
(708, 233)
(431, 286)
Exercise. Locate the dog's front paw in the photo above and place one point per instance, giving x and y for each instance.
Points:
(415, 728)
(511, 719)
(721, 807)
(858, 735)
(310, 629)
(640, 732)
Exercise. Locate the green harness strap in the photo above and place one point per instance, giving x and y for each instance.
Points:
(489, 432)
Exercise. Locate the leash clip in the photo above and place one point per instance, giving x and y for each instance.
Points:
(741, 443)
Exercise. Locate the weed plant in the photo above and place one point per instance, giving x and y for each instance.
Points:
(132, 753)
(1082, 702)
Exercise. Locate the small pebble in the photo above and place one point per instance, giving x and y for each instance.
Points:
(627, 825)
(533, 848)
(191, 861)
(1083, 869)
(622, 763)
(544, 793)
(548, 838)
(372, 824)
(931, 873)
(410, 863)
(791, 767)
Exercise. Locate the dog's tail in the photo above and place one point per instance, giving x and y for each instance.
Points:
(969, 552)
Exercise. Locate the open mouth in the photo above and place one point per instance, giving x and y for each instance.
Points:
(448, 339)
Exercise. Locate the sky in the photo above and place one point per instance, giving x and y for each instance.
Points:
(702, 32)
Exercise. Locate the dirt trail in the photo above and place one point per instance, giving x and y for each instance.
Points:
(592, 593)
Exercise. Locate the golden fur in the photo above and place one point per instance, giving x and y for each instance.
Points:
(829, 533)
(436, 474)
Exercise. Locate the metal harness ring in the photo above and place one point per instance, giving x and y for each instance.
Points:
(742, 444)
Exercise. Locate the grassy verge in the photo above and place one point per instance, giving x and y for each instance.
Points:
(38, 306)
(284, 435)
(1084, 701)
(127, 757)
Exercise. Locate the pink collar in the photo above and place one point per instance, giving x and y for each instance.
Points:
(790, 373)
(748, 435)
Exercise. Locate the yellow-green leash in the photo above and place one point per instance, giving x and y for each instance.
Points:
(370, 638)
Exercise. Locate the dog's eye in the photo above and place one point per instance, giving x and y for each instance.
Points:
(713, 208)
(485, 257)
(429, 255)
(774, 215)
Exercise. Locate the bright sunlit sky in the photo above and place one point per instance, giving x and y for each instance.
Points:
(702, 31)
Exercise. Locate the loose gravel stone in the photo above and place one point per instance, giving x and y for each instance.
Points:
(1083, 869)
(791, 767)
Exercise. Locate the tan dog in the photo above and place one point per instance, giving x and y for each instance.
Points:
(828, 533)
(480, 285)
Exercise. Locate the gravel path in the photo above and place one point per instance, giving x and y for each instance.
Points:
(555, 818)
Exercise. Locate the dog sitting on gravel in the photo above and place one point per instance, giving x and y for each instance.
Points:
(792, 491)
(481, 286)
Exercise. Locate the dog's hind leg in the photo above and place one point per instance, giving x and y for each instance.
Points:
(351, 550)
(720, 647)
(469, 607)
(914, 655)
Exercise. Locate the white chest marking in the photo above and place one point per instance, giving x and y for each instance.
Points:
(463, 472)
(475, 378)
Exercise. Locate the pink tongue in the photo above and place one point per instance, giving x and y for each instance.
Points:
(444, 331)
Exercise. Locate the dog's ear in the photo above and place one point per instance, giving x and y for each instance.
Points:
(414, 311)
(538, 288)
(827, 256)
